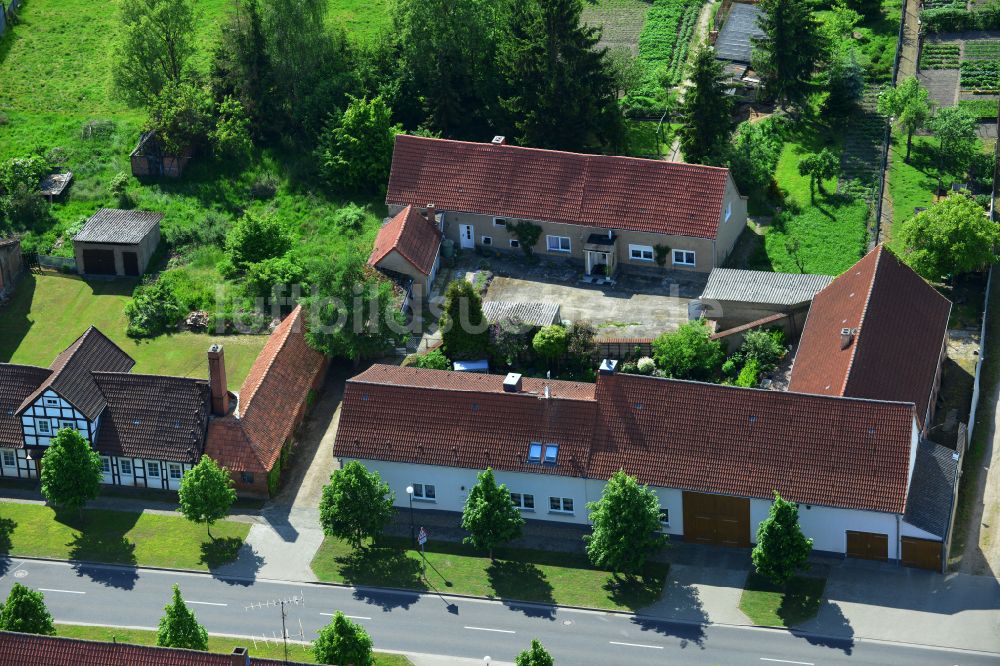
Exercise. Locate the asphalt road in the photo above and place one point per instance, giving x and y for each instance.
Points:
(436, 624)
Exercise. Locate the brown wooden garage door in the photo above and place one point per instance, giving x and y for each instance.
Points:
(868, 545)
(99, 262)
(716, 519)
(922, 553)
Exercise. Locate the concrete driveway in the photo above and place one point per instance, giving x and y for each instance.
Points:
(634, 308)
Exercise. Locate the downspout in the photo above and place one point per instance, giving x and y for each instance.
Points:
(899, 540)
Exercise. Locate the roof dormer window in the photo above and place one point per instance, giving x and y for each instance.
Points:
(551, 451)
(535, 452)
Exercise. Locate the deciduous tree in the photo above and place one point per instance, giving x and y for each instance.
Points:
(355, 149)
(909, 104)
(561, 93)
(626, 526)
(343, 642)
(206, 493)
(551, 342)
(689, 352)
(819, 167)
(536, 655)
(952, 236)
(179, 627)
(489, 515)
(464, 329)
(154, 49)
(356, 504)
(71, 471)
(181, 115)
(789, 50)
(25, 612)
(955, 130)
(781, 548)
(706, 111)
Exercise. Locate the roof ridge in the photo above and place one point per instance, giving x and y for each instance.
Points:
(861, 320)
(242, 404)
(448, 389)
(402, 229)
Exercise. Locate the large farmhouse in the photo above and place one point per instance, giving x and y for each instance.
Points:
(868, 483)
(603, 212)
(151, 429)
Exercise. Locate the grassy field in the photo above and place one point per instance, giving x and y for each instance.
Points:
(117, 537)
(768, 605)
(221, 644)
(51, 310)
(363, 19)
(540, 576)
(824, 236)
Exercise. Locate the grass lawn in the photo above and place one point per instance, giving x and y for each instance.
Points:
(825, 235)
(363, 19)
(51, 310)
(540, 576)
(768, 605)
(221, 644)
(911, 184)
(117, 537)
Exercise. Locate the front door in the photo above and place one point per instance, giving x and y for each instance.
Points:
(468, 236)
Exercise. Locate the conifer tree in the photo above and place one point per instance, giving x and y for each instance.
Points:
(706, 112)
(179, 627)
(781, 548)
(789, 50)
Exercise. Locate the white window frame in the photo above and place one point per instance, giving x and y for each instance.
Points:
(486, 240)
(44, 426)
(683, 253)
(171, 468)
(522, 501)
(11, 461)
(67, 424)
(532, 448)
(122, 464)
(641, 251)
(423, 495)
(729, 210)
(105, 465)
(51, 402)
(497, 221)
(559, 244)
(554, 450)
(515, 243)
(562, 502)
(150, 466)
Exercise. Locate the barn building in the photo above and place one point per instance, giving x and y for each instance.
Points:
(117, 242)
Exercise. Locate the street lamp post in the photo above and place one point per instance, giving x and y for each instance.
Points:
(413, 535)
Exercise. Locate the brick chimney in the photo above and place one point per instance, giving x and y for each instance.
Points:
(217, 380)
(239, 657)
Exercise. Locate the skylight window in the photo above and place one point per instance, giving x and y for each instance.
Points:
(551, 451)
(535, 452)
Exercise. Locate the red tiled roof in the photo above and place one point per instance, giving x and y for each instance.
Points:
(413, 236)
(17, 382)
(228, 445)
(457, 419)
(72, 368)
(748, 442)
(545, 185)
(814, 449)
(900, 322)
(271, 396)
(31, 650)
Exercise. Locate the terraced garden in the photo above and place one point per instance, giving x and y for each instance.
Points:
(981, 77)
(939, 55)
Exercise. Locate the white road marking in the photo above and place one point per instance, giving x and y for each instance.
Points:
(786, 661)
(651, 647)
(46, 589)
(499, 631)
(204, 603)
(352, 617)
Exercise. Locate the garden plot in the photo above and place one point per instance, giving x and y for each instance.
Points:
(940, 55)
(620, 21)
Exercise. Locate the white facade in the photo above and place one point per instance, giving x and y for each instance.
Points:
(827, 526)
(50, 414)
(143, 473)
(14, 463)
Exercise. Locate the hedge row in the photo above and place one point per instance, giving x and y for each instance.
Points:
(957, 19)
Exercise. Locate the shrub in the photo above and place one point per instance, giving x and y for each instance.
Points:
(955, 18)
(550, 342)
(118, 188)
(764, 347)
(350, 219)
(23, 207)
(153, 310)
(255, 238)
(264, 187)
(264, 276)
(181, 115)
(464, 330)
(355, 149)
(689, 352)
(581, 345)
(645, 365)
(27, 171)
(231, 136)
(749, 374)
(432, 360)
(526, 233)
(754, 155)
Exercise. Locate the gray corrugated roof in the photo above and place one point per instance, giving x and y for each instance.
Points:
(928, 504)
(730, 284)
(534, 314)
(121, 227)
(734, 42)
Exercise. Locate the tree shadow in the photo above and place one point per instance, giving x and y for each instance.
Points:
(837, 631)
(7, 526)
(217, 552)
(523, 581)
(635, 592)
(679, 600)
(377, 566)
(102, 540)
